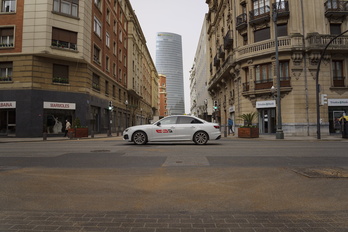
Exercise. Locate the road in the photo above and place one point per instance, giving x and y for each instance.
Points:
(276, 179)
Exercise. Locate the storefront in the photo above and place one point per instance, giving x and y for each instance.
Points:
(337, 109)
(8, 118)
(267, 116)
(55, 116)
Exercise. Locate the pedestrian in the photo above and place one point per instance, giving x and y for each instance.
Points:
(230, 126)
(67, 127)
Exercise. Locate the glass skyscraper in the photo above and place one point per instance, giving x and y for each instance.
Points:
(169, 62)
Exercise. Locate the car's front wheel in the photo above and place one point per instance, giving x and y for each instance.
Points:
(200, 138)
(139, 138)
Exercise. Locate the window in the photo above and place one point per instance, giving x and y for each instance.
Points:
(188, 120)
(262, 34)
(113, 91)
(97, 26)
(337, 73)
(106, 88)
(60, 74)
(67, 7)
(64, 39)
(8, 5)
(282, 30)
(260, 7)
(107, 39)
(107, 63)
(114, 69)
(95, 82)
(284, 70)
(335, 29)
(108, 16)
(96, 54)
(6, 71)
(169, 120)
(263, 73)
(98, 3)
(6, 37)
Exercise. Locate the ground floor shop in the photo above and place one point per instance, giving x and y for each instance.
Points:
(30, 113)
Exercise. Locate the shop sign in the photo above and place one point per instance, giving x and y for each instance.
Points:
(8, 105)
(59, 105)
(337, 102)
(231, 109)
(266, 104)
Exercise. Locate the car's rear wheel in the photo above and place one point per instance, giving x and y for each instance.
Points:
(139, 138)
(200, 138)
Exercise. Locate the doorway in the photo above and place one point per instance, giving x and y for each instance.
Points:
(8, 122)
(267, 121)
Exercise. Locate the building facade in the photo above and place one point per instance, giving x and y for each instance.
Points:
(243, 62)
(162, 96)
(169, 62)
(62, 60)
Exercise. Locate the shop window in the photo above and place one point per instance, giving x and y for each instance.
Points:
(262, 34)
(96, 54)
(8, 6)
(337, 73)
(5, 71)
(64, 39)
(96, 82)
(66, 7)
(60, 74)
(97, 26)
(335, 29)
(6, 37)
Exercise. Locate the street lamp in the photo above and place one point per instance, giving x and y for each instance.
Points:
(141, 116)
(206, 109)
(279, 132)
(126, 103)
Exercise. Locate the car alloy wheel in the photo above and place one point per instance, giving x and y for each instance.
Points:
(200, 138)
(139, 138)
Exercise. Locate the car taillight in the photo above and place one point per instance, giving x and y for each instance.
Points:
(217, 127)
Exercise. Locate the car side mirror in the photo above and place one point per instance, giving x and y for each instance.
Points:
(158, 124)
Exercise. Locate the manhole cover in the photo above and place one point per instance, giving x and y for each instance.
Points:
(322, 172)
(100, 151)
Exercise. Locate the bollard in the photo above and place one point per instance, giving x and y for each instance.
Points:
(92, 134)
(108, 133)
(44, 136)
(225, 132)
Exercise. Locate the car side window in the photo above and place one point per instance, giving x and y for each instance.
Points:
(188, 120)
(170, 120)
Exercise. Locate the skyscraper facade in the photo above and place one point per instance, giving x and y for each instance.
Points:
(169, 62)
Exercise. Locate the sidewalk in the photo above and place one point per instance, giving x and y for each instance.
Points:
(235, 137)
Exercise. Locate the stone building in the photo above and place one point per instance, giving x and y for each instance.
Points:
(243, 62)
(61, 60)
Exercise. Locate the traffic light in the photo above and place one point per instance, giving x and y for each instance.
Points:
(110, 105)
(323, 99)
(215, 105)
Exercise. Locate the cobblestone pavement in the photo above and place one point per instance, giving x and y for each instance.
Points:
(176, 222)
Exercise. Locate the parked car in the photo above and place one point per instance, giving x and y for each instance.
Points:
(174, 128)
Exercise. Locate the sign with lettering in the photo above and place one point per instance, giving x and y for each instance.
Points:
(337, 102)
(59, 105)
(8, 105)
(266, 104)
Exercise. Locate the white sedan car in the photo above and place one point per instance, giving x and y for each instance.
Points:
(174, 128)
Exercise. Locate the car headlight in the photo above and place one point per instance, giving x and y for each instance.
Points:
(126, 130)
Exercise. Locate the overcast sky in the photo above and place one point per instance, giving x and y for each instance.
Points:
(183, 17)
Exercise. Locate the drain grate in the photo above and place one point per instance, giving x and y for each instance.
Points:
(322, 172)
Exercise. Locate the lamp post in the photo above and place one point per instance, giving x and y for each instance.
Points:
(141, 116)
(317, 82)
(206, 109)
(279, 132)
(126, 103)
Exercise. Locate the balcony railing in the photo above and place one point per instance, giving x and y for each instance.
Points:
(338, 82)
(6, 79)
(335, 8)
(320, 41)
(259, 15)
(285, 82)
(241, 21)
(282, 8)
(63, 44)
(263, 84)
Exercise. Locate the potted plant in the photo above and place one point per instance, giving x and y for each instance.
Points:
(248, 130)
(78, 130)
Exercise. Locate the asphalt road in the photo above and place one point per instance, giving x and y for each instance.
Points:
(110, 175)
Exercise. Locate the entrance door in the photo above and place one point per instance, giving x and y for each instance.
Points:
(267, 121)
(7, 122)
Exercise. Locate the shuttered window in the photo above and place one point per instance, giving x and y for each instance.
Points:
(64, 38)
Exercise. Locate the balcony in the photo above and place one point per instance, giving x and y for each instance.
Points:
(241, 22)
(336, 9)
(263, 84)
(318, 42)
(221, 53)
(228, 41)
(259, 15)
(282, 8)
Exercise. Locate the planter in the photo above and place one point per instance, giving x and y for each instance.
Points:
(248, 132)
(78, 132)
